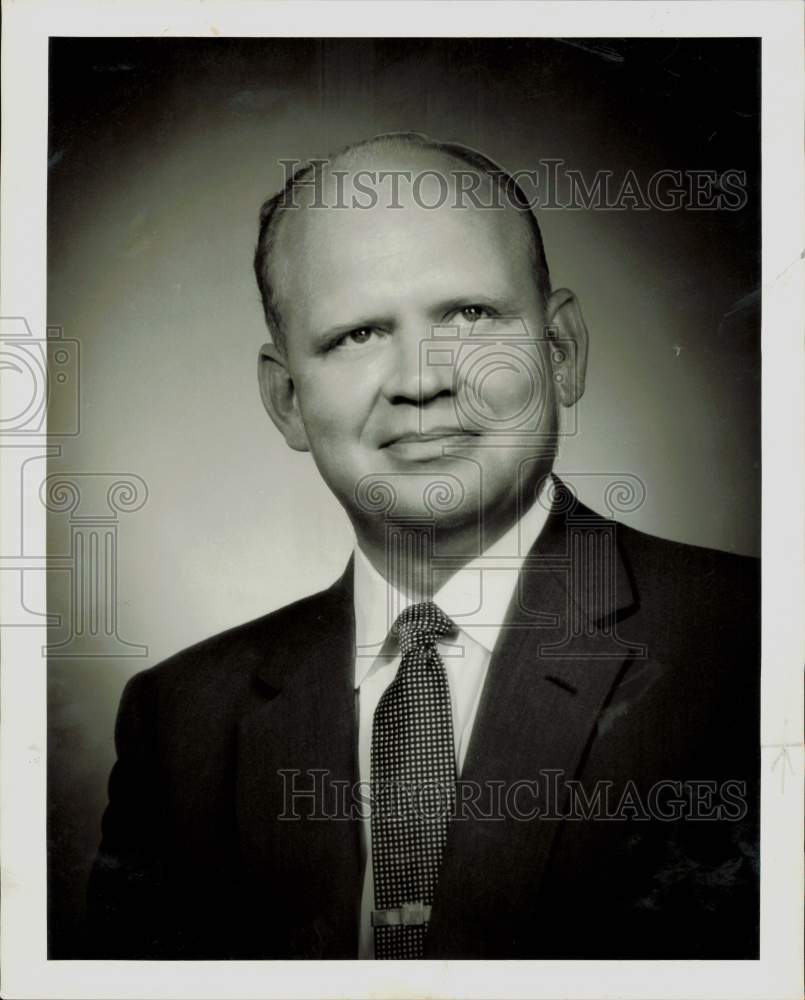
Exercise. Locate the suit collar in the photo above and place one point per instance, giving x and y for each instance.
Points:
(600, 585)
(326, 620)
(568, 528)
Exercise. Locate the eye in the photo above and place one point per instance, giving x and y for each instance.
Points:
(472, 313)
(359, 336)
(353, 338)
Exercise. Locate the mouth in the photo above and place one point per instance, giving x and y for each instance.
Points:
(428, 444)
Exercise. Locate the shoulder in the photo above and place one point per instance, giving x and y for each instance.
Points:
(224, 666)
(695, 686)
(698, 609)
(690, 572)
(661, 566)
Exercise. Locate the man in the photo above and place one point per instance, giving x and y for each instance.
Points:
(513, 728)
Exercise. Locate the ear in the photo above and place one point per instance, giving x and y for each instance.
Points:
(278, 392)
(567, 345)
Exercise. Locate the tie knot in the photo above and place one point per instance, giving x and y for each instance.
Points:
(421, 625)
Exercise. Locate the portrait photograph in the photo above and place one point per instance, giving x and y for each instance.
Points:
(404, 502)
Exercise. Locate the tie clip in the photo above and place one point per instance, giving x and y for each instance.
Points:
(409, 915)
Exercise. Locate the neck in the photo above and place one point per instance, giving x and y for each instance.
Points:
(418, 558)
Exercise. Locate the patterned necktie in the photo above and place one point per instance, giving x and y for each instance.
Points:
(413, 784)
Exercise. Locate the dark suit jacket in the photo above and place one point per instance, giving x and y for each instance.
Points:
(625, 658)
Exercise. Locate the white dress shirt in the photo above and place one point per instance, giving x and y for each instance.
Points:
(477, 598)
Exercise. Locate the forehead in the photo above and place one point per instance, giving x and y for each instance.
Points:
(348, 253)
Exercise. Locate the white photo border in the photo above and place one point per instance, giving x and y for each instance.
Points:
(26, 971)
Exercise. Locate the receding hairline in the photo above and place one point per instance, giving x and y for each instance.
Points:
(404, 143)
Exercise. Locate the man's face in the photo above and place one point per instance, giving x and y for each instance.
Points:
(414, 344)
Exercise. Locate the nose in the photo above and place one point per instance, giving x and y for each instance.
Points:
(413, 377)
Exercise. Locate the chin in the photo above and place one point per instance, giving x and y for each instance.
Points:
(420, 494)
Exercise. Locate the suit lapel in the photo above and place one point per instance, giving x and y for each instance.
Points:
(553, 669)
(302, 737)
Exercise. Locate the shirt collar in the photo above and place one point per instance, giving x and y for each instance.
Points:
(476, 597)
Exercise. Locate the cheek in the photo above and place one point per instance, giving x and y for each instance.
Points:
(330, 406)
(502, 389)
(509, 390)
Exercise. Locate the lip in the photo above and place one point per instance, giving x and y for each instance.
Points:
(429, 437)
(433, 446)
